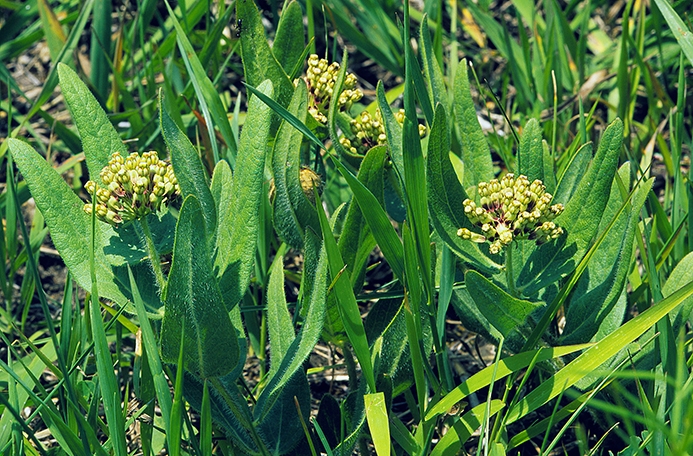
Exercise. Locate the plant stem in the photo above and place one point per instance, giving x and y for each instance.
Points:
(509, 276)
(153, 254)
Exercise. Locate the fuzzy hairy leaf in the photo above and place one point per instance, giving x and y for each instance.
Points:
(590, 311)
(580, 220)
(238, 227)
(476, 154)
(445, 196)
(293, 212)
(259, 63)
(69, 225)
(194, 303)
(188, 167)
(99, 138)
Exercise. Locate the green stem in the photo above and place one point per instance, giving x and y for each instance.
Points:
(509, 276)
(153, 254)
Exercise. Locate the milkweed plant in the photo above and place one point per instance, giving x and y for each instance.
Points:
(531, 257)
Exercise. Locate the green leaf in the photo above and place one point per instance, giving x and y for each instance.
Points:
(69, 225)
(258, 61)
(99, 138)
(678, 28)
(289, 41)
(221, 189)
(281, 330)
(476, 155)
(585, 364)
(378, 221)
(356, 241)
(376, 414)
(530, 157)
(600, 288)
(194, 302)
(211, 106)
(293, 212)
(679, 277)
(506, 313)
(393, 130)
(416, 195)
(348, 308)
(163, 393)
(238, 228)
(188, 167)
(304, 342)
(435, 82)
(580, 220)
(445, 196)
(573, 174)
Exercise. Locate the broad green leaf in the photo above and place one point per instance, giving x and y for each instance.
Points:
(238, 229)
(293, 211)
(376, 414)
(290, 38)
(505, 367)
(476, 154)
(530, 156)
(304, 342)
(259, 63)
(445, 196)
(221, 189)
(279, 425)
(451, 443)
(585, 364)
(580, 220)
(437, 92)
(599, 289)
(472, 319)
(194, 302)
(385, 325)
(574, 173)
(99, 138)
(356, 241)
(378, 222)
(506, 313)
(226, 405)
(279, 326)
(69, 225)
(347, 305)
(189, 169)
(211, 106)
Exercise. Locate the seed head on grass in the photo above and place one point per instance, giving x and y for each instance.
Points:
(321, 77)
(511, 209)
(136, 186)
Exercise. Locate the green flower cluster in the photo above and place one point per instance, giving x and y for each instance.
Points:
(321, 77)
(368, 131)
(135, 186)
(509, 209)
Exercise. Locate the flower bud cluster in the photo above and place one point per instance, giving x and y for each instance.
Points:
(509, 209)
(368, 131)
(135, 186)
(321, 77)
